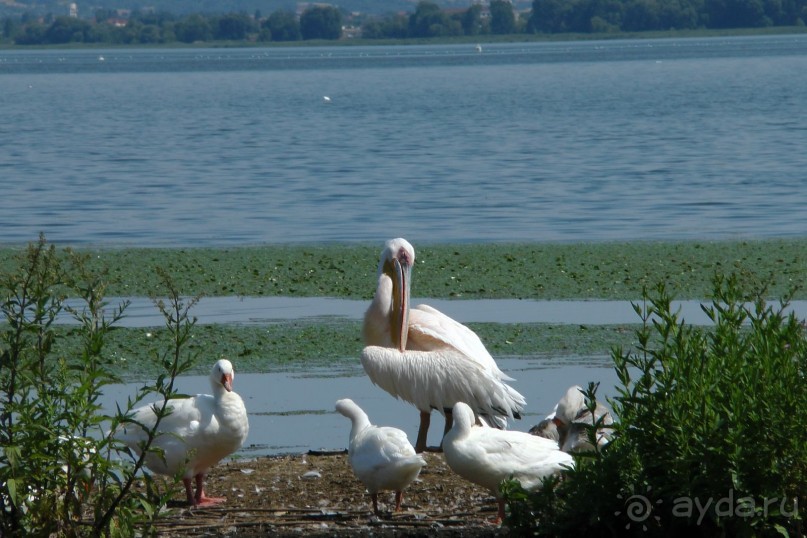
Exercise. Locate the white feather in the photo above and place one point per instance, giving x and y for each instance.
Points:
(381, 457)
(487, 456)
(572, 418)
(453, 363)
(438, 380)
(199, 432)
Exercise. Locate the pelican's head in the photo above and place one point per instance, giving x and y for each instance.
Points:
(223, 374)
(397, 260)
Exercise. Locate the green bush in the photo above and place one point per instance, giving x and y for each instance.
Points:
(62, 473)
(711, 433)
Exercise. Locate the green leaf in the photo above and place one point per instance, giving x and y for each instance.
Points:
(11, 485)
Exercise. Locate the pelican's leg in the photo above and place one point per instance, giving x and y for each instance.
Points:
(420, 444)
(398, 500)
(374, 496)
(449, 421)
(449, 424)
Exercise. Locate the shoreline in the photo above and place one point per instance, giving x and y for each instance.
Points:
(458, 40)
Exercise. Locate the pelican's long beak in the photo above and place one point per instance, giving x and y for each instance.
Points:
(402, 274)
(227, 381)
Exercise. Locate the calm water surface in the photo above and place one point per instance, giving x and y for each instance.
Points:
(292, 412)
(609, 140)
(264, 310)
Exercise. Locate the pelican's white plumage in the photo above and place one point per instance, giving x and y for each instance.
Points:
(382, 457)
(487, 456)
(466, 371)
(437, 379)
(199, 432)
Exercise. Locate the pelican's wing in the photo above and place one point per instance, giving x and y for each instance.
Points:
(439, 379)
(431, 329)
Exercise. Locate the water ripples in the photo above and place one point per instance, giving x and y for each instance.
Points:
(668, 139)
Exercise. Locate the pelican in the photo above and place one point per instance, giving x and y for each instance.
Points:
(487, 456)
(426, 358)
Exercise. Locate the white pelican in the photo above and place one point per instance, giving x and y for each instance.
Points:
(487, 456)
(382, 457)
(462, 369)
(199, 432)
(571, 417)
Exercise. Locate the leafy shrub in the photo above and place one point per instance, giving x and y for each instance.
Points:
(62, 473)
(711, 437)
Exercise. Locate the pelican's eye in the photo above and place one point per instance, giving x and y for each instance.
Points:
(403, 257)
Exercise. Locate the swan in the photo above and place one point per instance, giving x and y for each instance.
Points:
(487, 456)
(389, 322)
(198, 433)
(382, 457)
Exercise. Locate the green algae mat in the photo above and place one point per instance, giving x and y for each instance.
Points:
(604, 271)
(616, 271)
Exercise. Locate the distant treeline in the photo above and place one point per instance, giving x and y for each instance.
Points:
(428, 20)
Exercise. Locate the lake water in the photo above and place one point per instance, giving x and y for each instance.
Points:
(583, 141)
(143, 313)
(578, 141)
(293, 411)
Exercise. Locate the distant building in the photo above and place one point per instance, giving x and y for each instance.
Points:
(351, 32)
(74, 10)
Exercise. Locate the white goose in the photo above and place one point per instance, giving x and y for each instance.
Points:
(572, 418)
(452, 365)
(199, 432)
(382, 457)
(487, 456)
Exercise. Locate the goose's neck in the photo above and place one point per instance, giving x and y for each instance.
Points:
(359, 422)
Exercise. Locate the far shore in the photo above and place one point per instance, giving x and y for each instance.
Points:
(458, 40)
